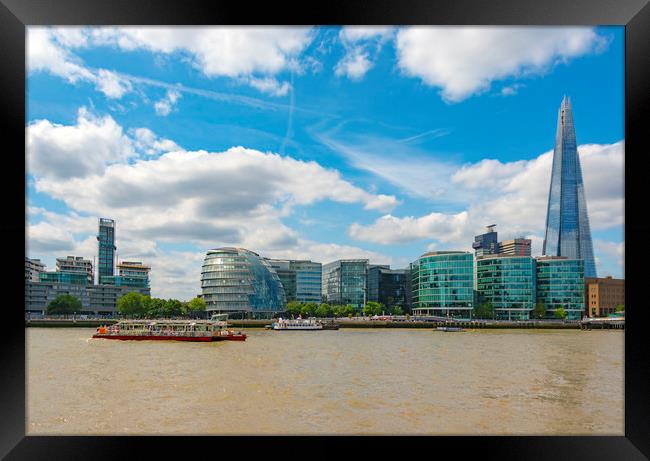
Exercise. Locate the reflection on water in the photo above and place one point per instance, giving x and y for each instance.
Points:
(349, 381)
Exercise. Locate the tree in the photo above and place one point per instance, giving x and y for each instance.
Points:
(64, 304)
(620, 308)
(560, 313)
(195, 307)
(484, 311)
(131, 304)
(308, 309)
(293, 308)
(172, 308)
(324, 310)
(155, 307)
(540, 310)
(347, 311)
(396, 310)
(372, 308)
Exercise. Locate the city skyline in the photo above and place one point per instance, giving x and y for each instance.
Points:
(320, 144)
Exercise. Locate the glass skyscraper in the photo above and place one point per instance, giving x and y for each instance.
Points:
(567, 223)
(106, 239)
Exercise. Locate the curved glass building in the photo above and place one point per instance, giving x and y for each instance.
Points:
(561, 283)
(238, 281)
(443, 284)
(508, 283)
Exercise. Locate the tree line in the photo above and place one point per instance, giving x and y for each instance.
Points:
(295, 308)
(135, 305)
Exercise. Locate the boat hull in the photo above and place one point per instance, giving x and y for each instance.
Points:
(202, 339)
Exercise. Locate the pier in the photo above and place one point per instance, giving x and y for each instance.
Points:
(607, 323)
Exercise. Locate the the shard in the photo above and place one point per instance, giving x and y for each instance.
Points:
(567, 223)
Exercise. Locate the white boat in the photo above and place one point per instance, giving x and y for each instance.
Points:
(446, 328)
(297, 324)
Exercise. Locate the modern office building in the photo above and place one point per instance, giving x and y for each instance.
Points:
(286, 275)
(73, 278)
(38, 295)
(487, 243)
(561, 283)
(567, 222)
(508, 284)
(103, 298)
(106, 248)
(443, 284)
(76, 264)
(309, 280)
(240, 282)
(301, 279)
(603, 295)
(515, 247)
(33, 267)
(345, 282)
(388, 286)
(129, 274)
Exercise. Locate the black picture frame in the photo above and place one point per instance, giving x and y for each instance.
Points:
(15, 15)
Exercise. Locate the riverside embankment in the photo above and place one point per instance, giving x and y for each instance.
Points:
(343, 323)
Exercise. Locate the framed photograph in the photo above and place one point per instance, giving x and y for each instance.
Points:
(377, 220)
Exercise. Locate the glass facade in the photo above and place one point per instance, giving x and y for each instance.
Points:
(443, 284)
(561, 283)
(345, 282)
(508, 283)
(308, 281)
(74, 278)
(567, 222)
(388, 286)
(236, 280)
(125, 280)
(106, 239)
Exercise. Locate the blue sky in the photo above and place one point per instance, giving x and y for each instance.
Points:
(315, 143)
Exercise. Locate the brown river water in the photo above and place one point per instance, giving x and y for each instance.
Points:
(350, 381)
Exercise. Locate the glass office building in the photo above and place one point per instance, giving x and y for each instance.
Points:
(388, 286)
(567, 222)
(309, 280)
(106, 240)
(561, 283)
(240, 282)
(443, 284)
(508, 283)
(345, 282)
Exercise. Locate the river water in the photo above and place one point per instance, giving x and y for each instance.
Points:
(350, 381)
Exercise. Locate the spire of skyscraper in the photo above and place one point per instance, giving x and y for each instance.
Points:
(567, 223)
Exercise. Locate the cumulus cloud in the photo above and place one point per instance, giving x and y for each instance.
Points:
(72, 151)
(463, 61)
(358, 43)
(164, 106)
(147, 142)
(47, 52)
(253, 55)
(512, 194)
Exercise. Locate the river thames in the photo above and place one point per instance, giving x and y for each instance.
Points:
(350, 381)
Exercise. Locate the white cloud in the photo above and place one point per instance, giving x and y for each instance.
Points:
(47, 52)
(611, 260)
(270, 86)
(513, 195)
(463, 61)
(166, 104)
(147, 142)
(64, 151)
(356, 40)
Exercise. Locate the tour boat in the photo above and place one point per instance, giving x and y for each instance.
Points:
(449, 329)
(173, 330)
(297, 324)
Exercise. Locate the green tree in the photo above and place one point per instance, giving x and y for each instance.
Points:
(195, 307)
(293, 308)
(540, 310)
(172, 308)
(64, 304)
(560, 313)
(155, 307)
(372, 308)
(131, 304)
(396, 310)
(347, 311)
(308, 309)
(620, 308)
(484, 311)
(324, 310)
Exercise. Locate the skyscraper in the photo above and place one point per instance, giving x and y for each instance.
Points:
(567, 223)
(106, 239)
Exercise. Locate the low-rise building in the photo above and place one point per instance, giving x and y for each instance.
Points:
(515, 247)
(508, 284)
(603, 295)
(33, 267)
(443, 284)
(76, 264)
(561, 283)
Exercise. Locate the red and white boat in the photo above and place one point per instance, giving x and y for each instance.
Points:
(170, 330)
